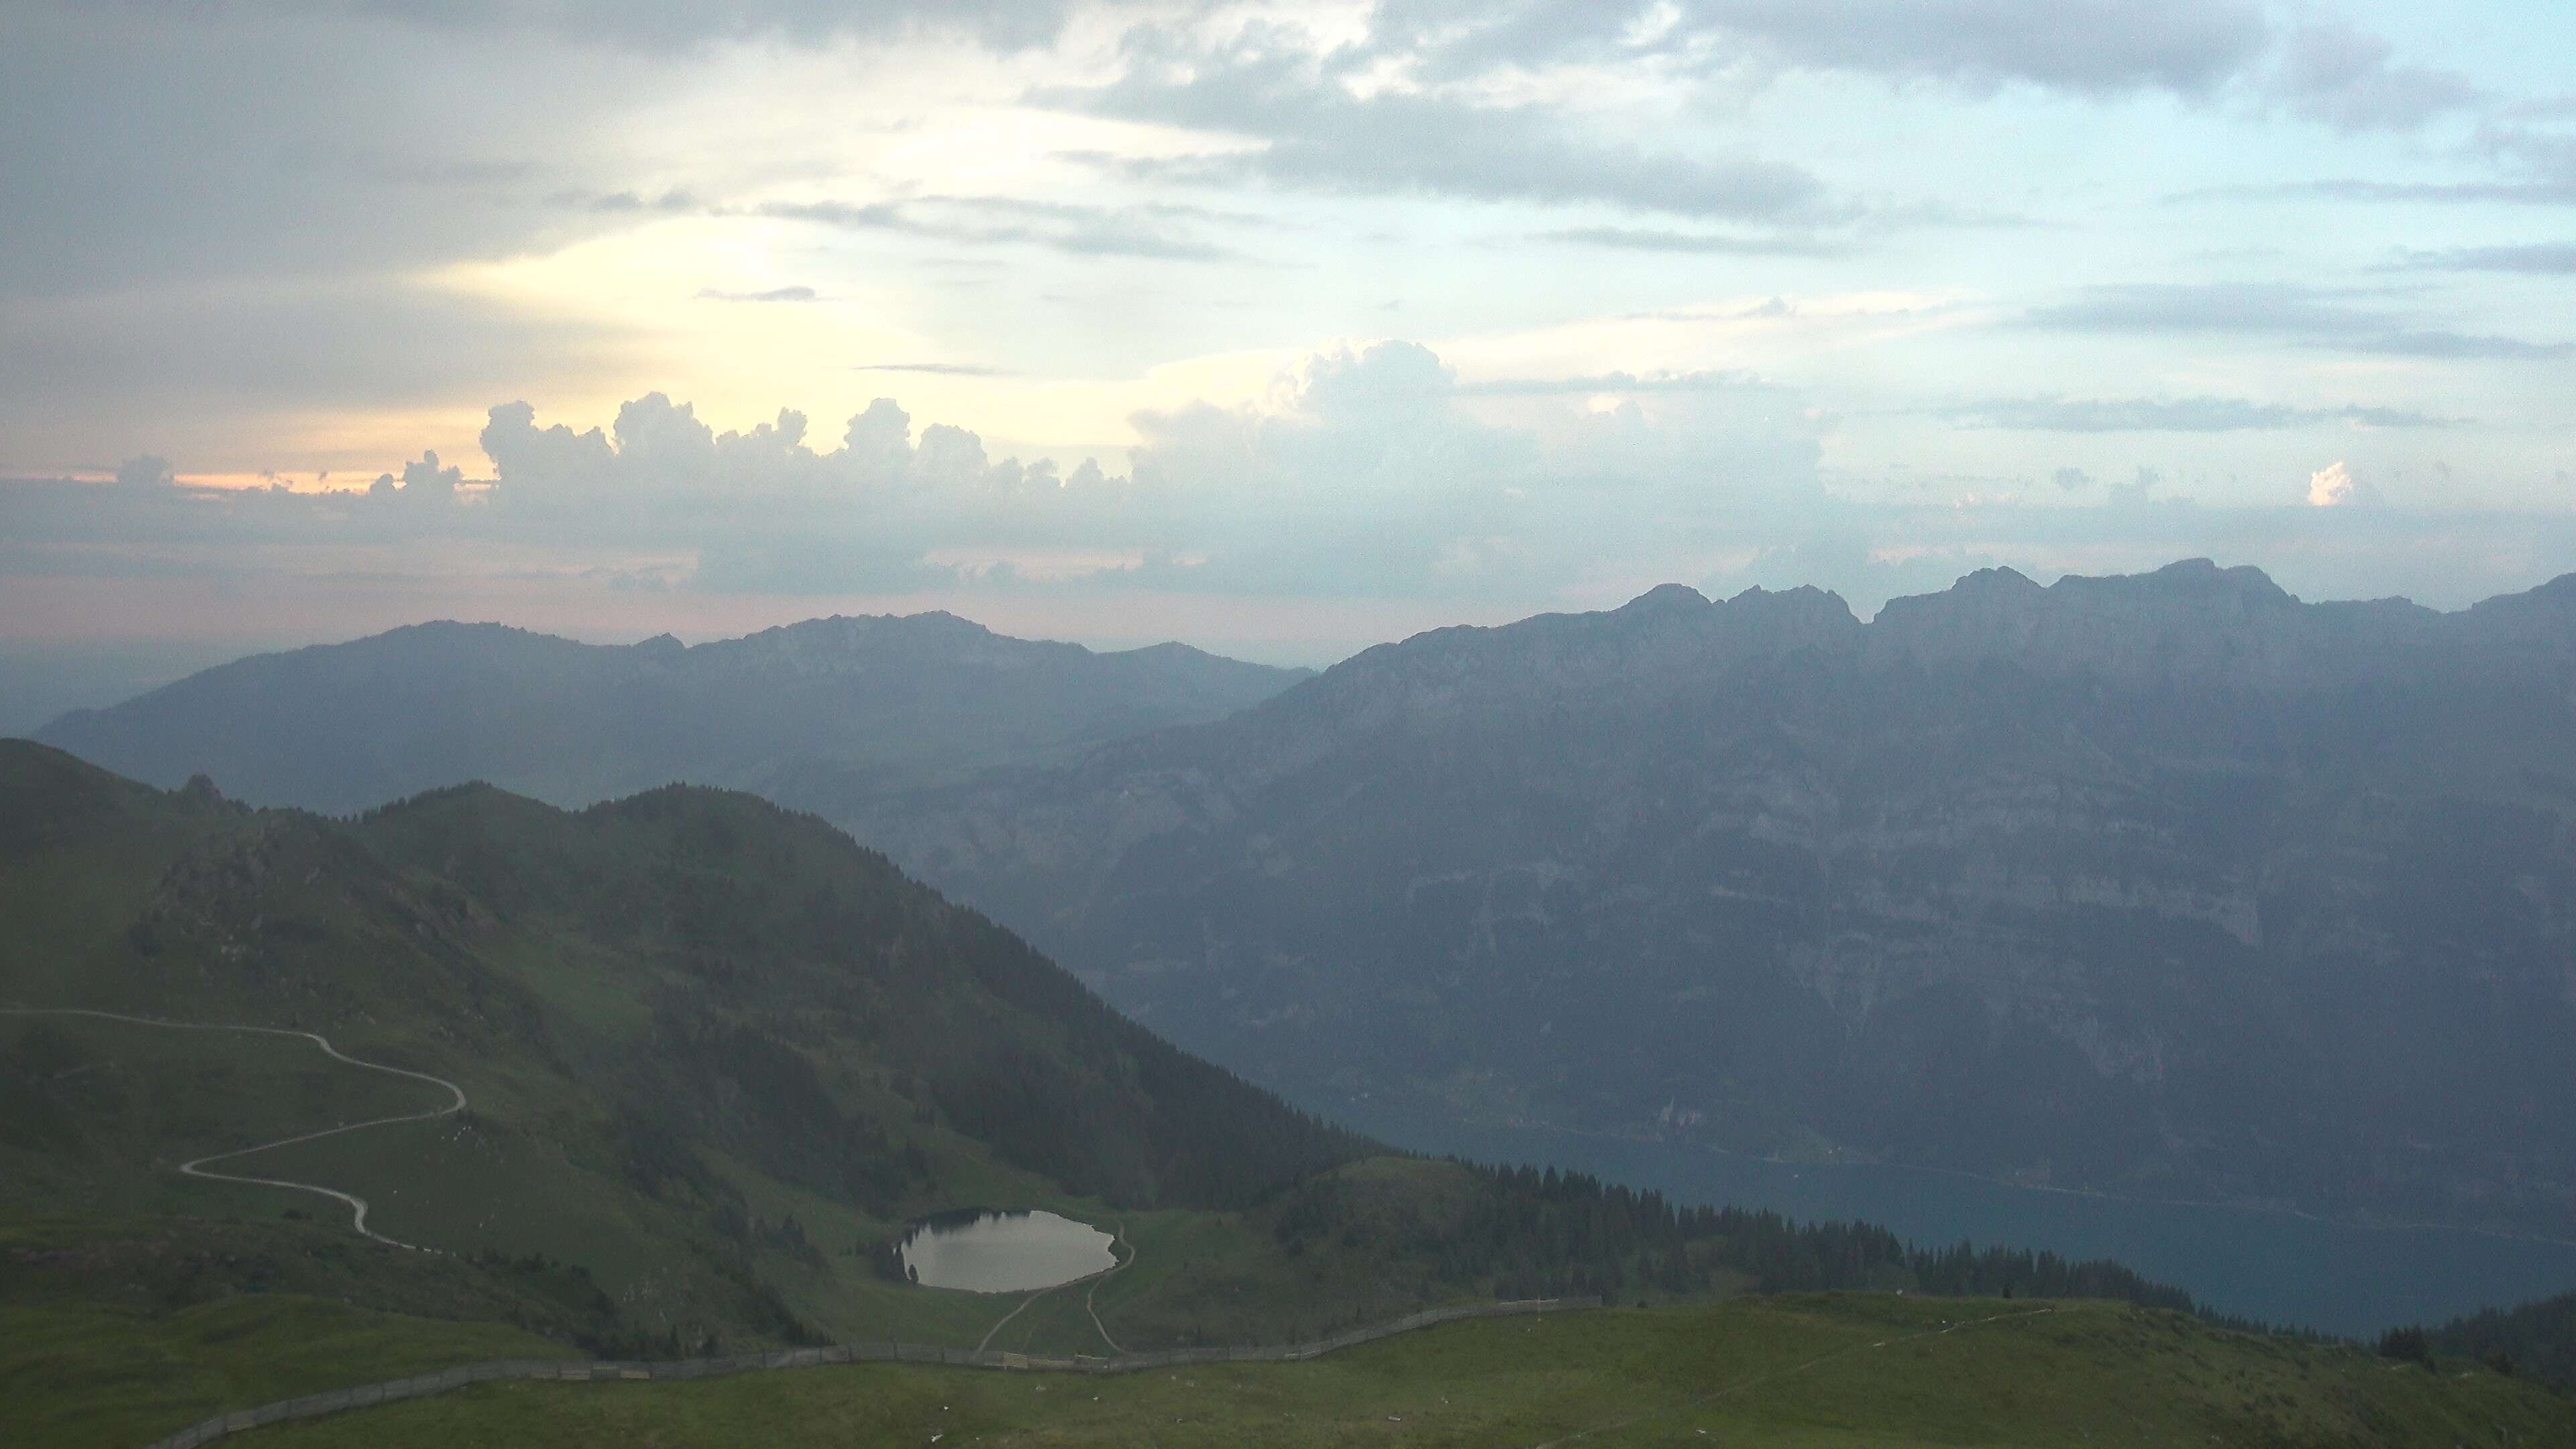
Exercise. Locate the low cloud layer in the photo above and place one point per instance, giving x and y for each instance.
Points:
(2177, 415)
(2543, 259)
(1372, 473)
(2307, 316)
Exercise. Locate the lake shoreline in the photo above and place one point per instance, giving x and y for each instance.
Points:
(2273, 1264)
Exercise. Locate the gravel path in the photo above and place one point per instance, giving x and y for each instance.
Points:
(196, 1167)
(1094, 1280)
(1120, 1229)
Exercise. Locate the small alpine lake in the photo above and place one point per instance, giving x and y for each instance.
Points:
(984, 1251)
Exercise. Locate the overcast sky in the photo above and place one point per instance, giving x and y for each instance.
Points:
(1278, 328)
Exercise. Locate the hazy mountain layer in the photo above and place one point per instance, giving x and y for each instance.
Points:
(810, 714)
(2166, 884)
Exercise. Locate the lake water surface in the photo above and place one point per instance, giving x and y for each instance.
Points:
(1005, 1252)
(2274, 1266)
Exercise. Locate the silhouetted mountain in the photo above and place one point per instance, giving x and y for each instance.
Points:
(809, 714)
(2167, 884)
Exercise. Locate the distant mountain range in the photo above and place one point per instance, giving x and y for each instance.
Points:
(813, 714)
(2168, 885)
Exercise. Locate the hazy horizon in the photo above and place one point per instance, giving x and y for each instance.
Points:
(39, 685)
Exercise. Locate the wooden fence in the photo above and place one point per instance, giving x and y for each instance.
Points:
(599, 1371)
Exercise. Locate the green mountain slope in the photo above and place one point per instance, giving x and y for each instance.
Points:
(712, 1051)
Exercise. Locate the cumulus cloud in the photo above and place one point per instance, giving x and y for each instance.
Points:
(1369, 475)
(2334, 486)
(1378, 469)
(1368, 471)
(424, 484)
(659, 455)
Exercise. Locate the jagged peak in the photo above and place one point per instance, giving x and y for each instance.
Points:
(1998, 580)
(1804, 599)
(1665, 598)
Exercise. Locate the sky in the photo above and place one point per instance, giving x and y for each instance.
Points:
(1281, 329)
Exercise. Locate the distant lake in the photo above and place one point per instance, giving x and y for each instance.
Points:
(1005, 1252)
(2273, 1266)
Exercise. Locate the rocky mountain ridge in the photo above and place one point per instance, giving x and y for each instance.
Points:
(2168, 884)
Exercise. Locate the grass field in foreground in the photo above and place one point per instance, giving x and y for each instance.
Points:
(103, 1377)
(1829, 1370)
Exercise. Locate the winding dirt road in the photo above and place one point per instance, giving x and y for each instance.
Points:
(1120, 1229)
(196, 1167)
